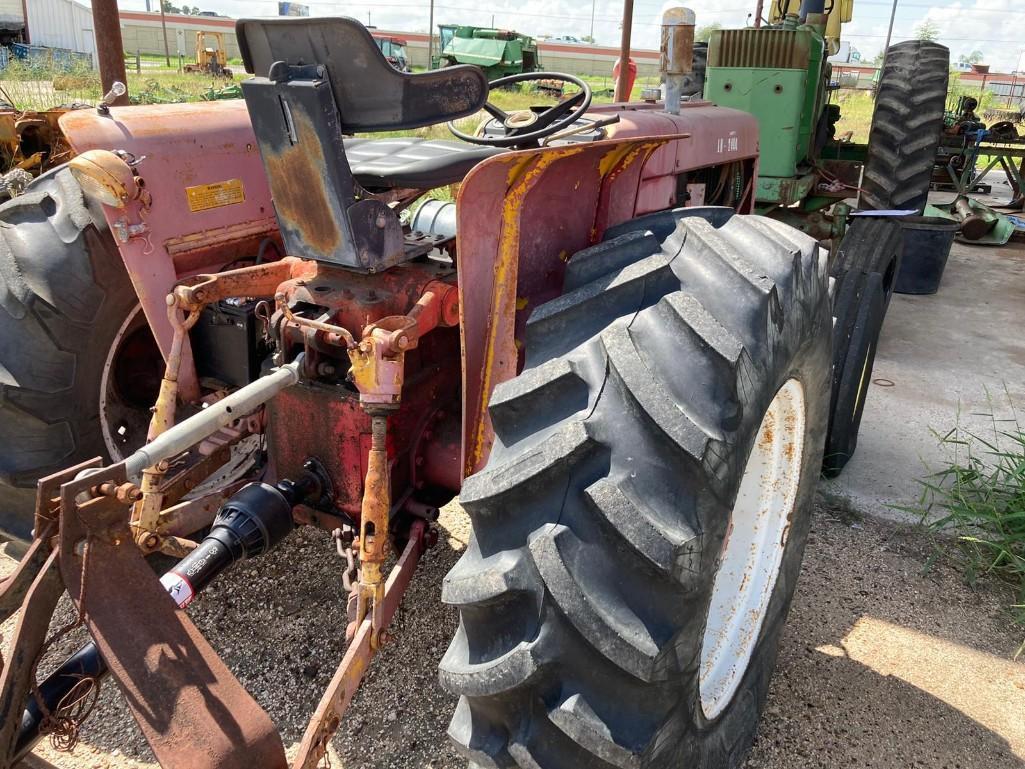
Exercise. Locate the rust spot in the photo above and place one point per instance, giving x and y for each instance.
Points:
(297, 186)
(768, 431)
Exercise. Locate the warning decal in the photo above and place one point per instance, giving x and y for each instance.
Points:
(178, 588)
(206, 196)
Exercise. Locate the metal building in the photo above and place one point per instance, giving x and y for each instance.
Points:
(58, 24)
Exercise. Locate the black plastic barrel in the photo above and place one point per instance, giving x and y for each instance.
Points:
(927, 242)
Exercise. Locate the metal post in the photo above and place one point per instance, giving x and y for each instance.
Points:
(889, 34)
(110, 50)
(624, 53)
(24, 15)
(163, 31)
(758, 13)
(430, 38)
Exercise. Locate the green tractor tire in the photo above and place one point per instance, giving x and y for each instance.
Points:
(906, 126)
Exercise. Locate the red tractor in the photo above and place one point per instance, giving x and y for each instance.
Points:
(215, 319)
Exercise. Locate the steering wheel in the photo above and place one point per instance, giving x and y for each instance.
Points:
(525, 127)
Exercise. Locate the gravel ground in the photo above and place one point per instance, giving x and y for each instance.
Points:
(880, 664)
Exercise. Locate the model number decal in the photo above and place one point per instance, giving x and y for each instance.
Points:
(727, 144)
(206, 196)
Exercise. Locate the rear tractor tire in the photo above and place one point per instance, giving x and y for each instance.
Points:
(639, 527)
(73, 344)
(906, 126)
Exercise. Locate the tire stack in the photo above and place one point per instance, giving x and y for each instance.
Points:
(906, 128)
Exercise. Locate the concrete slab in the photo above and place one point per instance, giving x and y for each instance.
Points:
(955, 357)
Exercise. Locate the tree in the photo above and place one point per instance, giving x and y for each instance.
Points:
(587, 39)
(702, 34)
(927, 30)
(972, 58)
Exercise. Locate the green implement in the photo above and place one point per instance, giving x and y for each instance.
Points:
(498, 52)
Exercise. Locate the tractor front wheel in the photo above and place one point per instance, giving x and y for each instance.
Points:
(639, 527)
(78, 365)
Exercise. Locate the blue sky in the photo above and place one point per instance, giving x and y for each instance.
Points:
(965, 25)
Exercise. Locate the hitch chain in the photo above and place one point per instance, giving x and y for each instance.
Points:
(344, 544)
(64, 723)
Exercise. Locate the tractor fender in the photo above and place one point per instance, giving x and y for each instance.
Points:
(210, 201)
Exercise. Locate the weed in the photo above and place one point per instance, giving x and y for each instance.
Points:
(980, 498)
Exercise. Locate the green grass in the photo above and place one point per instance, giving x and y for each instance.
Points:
(511, 99)
(38, 88)
(979, 497)
(856, 109)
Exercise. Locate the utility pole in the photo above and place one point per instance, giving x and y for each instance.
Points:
(889, 34)
(591, 35)
(163, 31)
(110, 50)
(430, 38)
(24, 14)
(758, 13)
(624, 52)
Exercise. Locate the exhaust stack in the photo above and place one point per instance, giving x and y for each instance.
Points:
(677, 53)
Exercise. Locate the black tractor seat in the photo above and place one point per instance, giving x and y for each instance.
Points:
(412, 162)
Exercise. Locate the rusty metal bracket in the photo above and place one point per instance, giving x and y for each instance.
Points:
(27, 644)
(146, 512)
(16, 586)
(342, 688)
(259, 280)
(374, 543)
(193, 712)
(378, 360)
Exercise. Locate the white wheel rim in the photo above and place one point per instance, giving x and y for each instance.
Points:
(115, 448)
(753, 549)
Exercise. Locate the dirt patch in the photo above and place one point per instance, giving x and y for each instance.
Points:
(880, 664)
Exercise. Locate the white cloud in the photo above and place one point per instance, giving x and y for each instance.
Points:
(965, 25)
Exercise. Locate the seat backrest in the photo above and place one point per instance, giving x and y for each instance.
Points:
(370, 93)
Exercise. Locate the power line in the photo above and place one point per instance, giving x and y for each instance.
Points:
(941, 7)
(942, 37)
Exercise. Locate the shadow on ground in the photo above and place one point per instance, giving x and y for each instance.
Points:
(880, 665)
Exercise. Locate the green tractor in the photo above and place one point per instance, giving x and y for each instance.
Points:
(499, 52)
(781, 74)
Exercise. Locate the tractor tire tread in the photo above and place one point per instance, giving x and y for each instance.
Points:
(906, 126)
(579, 581)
